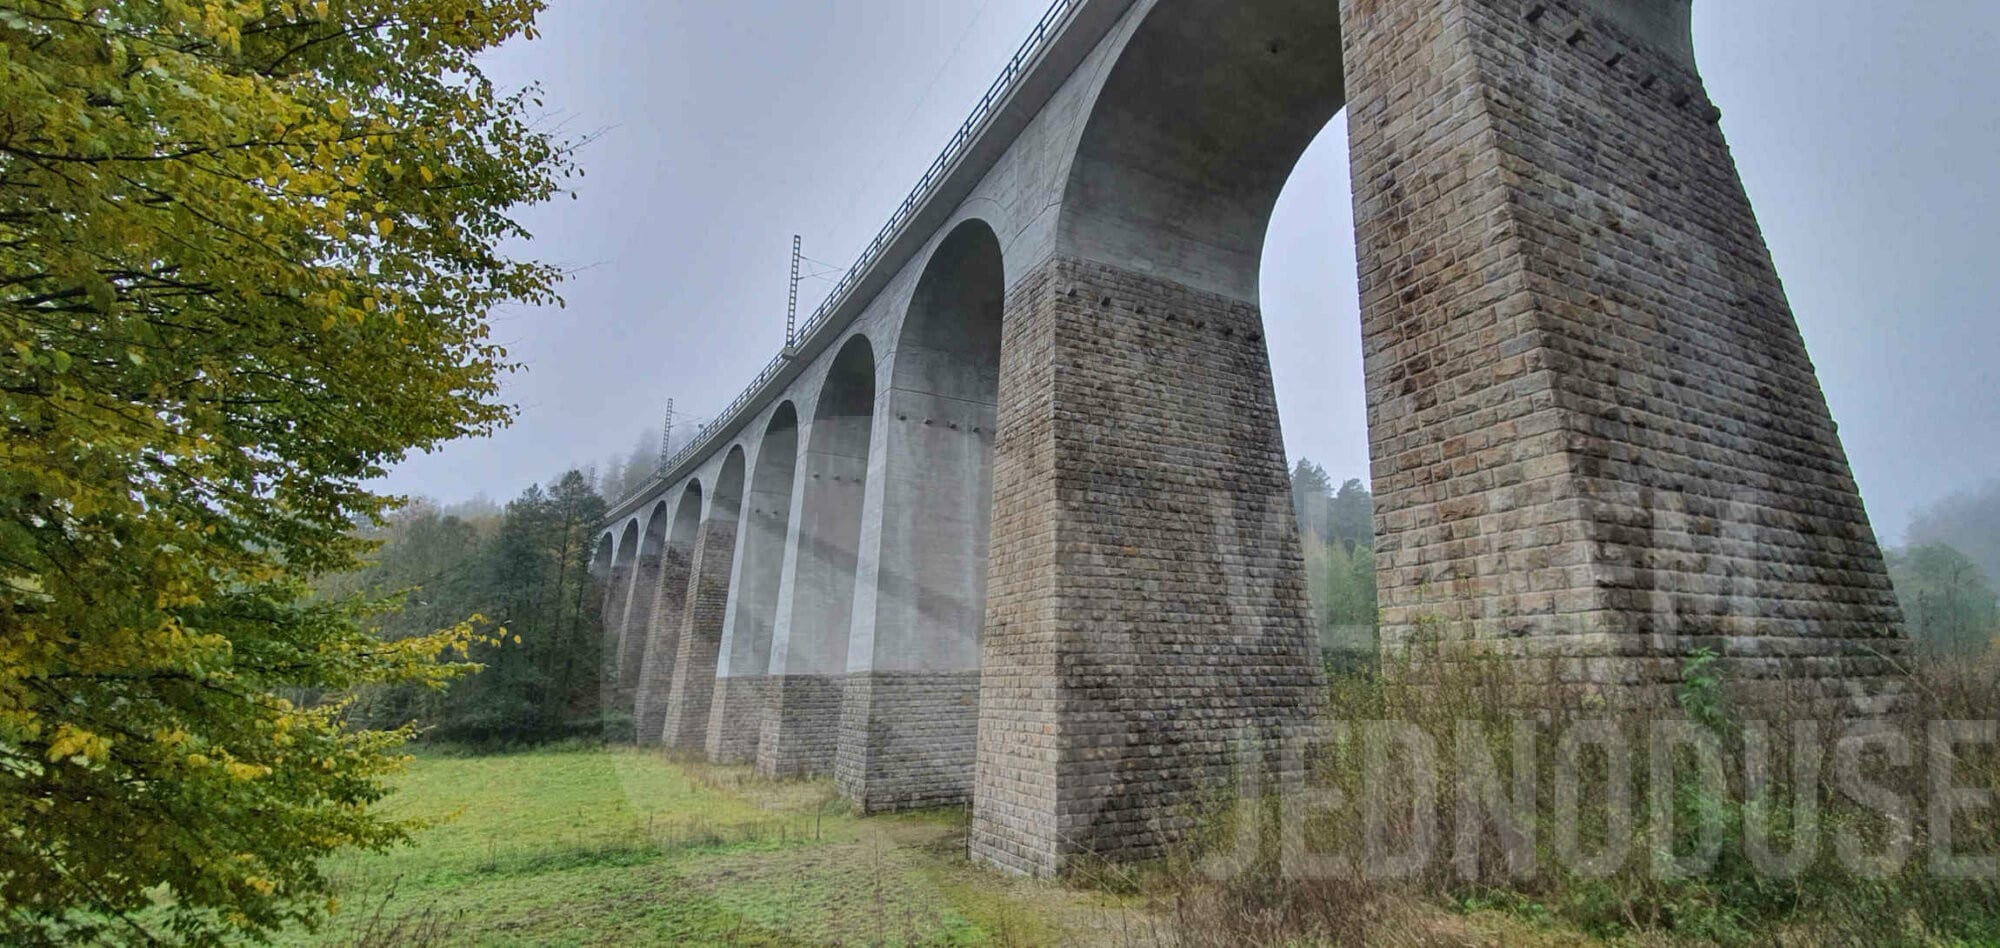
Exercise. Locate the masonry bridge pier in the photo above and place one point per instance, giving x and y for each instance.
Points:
(1009, 523)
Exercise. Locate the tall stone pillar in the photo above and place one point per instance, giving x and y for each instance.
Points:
(1147, 619)
(1598, 441)
(663, 635)
(690, 695)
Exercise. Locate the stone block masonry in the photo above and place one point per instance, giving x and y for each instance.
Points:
(801, 725)
(907, 739)
(1147, 612)
(736, 718)
(1599, 443)
(691, 693)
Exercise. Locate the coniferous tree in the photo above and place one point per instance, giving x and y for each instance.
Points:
(525, 574)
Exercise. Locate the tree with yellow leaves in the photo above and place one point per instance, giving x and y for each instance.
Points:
(248, 249)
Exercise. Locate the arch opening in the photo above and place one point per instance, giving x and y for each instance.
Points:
(691, 696)
(601, 557)
(627, 632)
(909, 736)
(943, 408)
(1195, 133)
(641, 602)
(1215, 157)
(809, 647)
(664, 622)
(744, 662)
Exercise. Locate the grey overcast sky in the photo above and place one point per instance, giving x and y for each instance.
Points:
(1868, 135)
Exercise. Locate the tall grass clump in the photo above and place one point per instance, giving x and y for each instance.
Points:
(1443, 783)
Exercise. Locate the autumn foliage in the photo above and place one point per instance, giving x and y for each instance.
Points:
(248, 250)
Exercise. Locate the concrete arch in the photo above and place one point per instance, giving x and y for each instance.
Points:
(727, 500)
(691, 694)
(669, 601)
(911, 713)
(1200, 122)
(645, 590)
(809, 644)
(744, 661)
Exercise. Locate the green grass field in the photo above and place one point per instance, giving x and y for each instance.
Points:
(623, 847)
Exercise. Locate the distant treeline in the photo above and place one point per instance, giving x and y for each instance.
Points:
(1943, 577)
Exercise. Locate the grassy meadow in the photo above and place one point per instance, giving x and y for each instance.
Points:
(618, 846)
(615, 846)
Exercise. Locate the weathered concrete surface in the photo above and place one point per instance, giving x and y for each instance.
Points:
(815, 603)
(743, 661)
(910, 710)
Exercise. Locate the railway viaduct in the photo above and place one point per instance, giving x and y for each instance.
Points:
(1008, 523)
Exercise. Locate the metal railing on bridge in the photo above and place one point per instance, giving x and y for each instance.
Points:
(1045, 32)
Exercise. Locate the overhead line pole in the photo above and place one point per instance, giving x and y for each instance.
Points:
(792, 309)
(667, 435)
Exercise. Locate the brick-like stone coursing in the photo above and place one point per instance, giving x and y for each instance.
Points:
(1598, 441)
(801, 725)
(1146, 611)
(736, 718)
(907, 739)
(691, 694)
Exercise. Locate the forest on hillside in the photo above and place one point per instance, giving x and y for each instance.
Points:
(522, 572)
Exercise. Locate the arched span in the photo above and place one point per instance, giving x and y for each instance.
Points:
(809, 647)
(907, 738)
(618, 625)
(670, 601)
(744, 663)
(691, 695)
(645, 590)
(1191, 139)
(727, 501)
